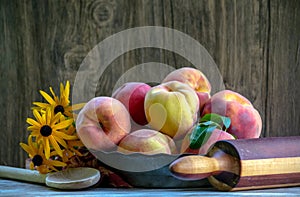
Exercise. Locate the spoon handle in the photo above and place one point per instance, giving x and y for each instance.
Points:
(22, 174)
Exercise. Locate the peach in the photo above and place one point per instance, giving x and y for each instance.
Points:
(147, 141)
(203, 98)
(195, 79)
(171, 108)
(246, 121)
(132, 95)
(214, 136)
(102, 123)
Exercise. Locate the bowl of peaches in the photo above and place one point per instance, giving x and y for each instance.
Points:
(141, 129)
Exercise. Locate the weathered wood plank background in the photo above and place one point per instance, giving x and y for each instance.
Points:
(255, 43)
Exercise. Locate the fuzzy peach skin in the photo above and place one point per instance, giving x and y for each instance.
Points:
(102, 123)
(147, 141)
(194, 78)
(246, 121)
(215, 136)
(132, 95)
(171, 108)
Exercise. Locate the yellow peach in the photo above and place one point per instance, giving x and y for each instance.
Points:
(171, 108)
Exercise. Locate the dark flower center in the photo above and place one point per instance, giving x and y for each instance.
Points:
(46, 130)
(59, 108)
(37, 160)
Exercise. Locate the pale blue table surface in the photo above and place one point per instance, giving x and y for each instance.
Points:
(18, 188)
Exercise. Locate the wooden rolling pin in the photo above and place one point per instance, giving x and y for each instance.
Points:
(245, 164)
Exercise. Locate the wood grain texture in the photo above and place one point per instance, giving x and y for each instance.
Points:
(254, 43)
(282, 101)
(9, 188)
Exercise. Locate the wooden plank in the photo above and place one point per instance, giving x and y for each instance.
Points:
(15, 95)
(254, 43)
(282, 101)
(10, 188)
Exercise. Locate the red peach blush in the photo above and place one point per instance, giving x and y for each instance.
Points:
(102, 123)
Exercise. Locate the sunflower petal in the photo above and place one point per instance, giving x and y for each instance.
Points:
(65, 136)
(47, 97)
(48, 116)
(64, 101)
(61, 141)
(52, 92)
(31, 128)
(71, 130)
(38, 116)
(55, 119)
(40, 104)
(57, 163)
(29, 139)
(27, 148)
(76, 152)
(54, 96)
(53, 153)
(46, 147)
(64, 94)
(31, 145)
(35, 132)
(40, 140)
(75, 143)
(40, 150)
(67, 90)
(68, 108)
(61, 89)
(68, 114)
(63, 124)
(33, 122)
(55, 146)
(78, 106)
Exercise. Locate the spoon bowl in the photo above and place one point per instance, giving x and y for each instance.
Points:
(69, 179)
(73, 178)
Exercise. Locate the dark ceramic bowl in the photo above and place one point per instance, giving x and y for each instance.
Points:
(149, 171)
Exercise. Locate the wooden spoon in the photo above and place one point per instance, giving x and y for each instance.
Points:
(69, 179)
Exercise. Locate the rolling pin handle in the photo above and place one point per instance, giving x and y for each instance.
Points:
(196, 167)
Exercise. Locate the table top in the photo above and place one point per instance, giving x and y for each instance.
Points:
(18, 188)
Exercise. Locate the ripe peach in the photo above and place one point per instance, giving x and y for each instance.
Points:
(132, 95)
(215, 136)
(245, 119)
(171, 108)
(147, 141)
(102, 123)
(194, 78)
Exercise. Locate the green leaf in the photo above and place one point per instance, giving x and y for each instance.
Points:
(200, 135)
(226, 122)
(210, 123)
(217, 119)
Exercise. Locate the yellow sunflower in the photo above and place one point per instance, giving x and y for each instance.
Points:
(48, 128)
(60, 104)
(72, 145)
(38, 159)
